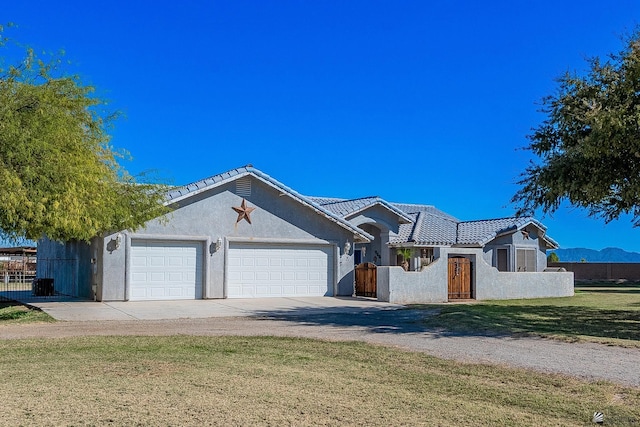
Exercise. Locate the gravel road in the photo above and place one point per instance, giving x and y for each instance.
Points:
(400, 329)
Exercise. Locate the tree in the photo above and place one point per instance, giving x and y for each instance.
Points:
(589, 143)
(553, 257)
(59, 176)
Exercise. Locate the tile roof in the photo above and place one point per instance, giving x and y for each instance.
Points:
(424, 224)
(415, 208)
(349, 207)
(483, 231)
(433, 227)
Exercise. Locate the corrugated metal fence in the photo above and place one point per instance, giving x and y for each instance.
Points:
(601, 270)
(52, 277)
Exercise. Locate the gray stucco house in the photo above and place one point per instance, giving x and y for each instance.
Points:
(243, 234)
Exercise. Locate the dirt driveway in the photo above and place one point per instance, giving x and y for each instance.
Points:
(399, 328)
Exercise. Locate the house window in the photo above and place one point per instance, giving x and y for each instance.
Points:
(502, 259)
(526, 260)
(426, 256)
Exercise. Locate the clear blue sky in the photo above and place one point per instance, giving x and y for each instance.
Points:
(414, 101)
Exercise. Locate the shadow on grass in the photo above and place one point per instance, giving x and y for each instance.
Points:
(571, 321)
(610, 291)
(608, 284)
(12, 311)
(482, 319)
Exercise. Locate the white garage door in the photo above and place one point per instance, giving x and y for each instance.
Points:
(268, 270)
(165, 270)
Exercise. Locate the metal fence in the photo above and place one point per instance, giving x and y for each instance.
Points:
(51, 278)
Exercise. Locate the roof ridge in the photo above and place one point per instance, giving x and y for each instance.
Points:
(413, 204)
(493, 219)
(445, 216)
(362, 198)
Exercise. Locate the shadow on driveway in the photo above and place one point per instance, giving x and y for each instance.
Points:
(374, 320)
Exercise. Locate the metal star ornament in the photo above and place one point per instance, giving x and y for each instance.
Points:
(244, 212)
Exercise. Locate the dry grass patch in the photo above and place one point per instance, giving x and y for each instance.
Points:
(282, 381)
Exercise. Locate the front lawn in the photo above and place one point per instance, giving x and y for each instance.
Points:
(184, 380)
(14, 312)
(599, 312)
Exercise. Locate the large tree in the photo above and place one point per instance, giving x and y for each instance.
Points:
(589, 144)
(59, 175)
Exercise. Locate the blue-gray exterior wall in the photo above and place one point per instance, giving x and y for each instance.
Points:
(384, 219)
(516, 241)
(209, 215)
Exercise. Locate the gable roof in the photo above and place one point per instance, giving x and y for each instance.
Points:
(431, 226)
(419, 224)
(483, 231)
(349, 207)
(178, 194)
(412, 208)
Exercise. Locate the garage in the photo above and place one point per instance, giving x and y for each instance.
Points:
(257, 270)
(164, 270)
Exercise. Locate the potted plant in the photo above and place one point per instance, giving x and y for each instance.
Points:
(406, 256)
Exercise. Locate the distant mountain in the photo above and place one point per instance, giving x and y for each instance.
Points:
(590, 255)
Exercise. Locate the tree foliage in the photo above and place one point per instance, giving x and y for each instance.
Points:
(589, 143)
(553, 257)
(59, 176)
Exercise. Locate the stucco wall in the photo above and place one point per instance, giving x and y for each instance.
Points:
(373, 249)
(209, 216)
(431, 284)
(494, 284)
(384, 219)
(412, 287)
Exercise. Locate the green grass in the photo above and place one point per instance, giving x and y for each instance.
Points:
(282, 381)
(14, 312)
(599, 312)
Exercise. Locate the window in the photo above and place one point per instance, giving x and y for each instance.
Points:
(502, 259)
(426, 256)
(526, 259)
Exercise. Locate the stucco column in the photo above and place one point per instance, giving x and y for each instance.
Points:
(384, 248)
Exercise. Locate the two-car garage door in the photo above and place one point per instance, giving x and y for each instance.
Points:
(168, 270)
(279, 270)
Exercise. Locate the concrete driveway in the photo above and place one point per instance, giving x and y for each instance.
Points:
(80, 310)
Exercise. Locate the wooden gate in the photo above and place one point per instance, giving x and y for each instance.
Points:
(366, 279)
(459, 278)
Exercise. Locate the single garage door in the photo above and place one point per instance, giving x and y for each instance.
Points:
(163, 270)
(268, 270)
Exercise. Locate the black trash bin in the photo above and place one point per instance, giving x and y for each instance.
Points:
(43, 287)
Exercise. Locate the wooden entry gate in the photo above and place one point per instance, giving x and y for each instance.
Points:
(459, 278)
(366, 280)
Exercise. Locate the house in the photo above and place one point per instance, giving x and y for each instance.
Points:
(243, 234)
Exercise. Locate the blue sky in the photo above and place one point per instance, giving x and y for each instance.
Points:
(414, 101)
